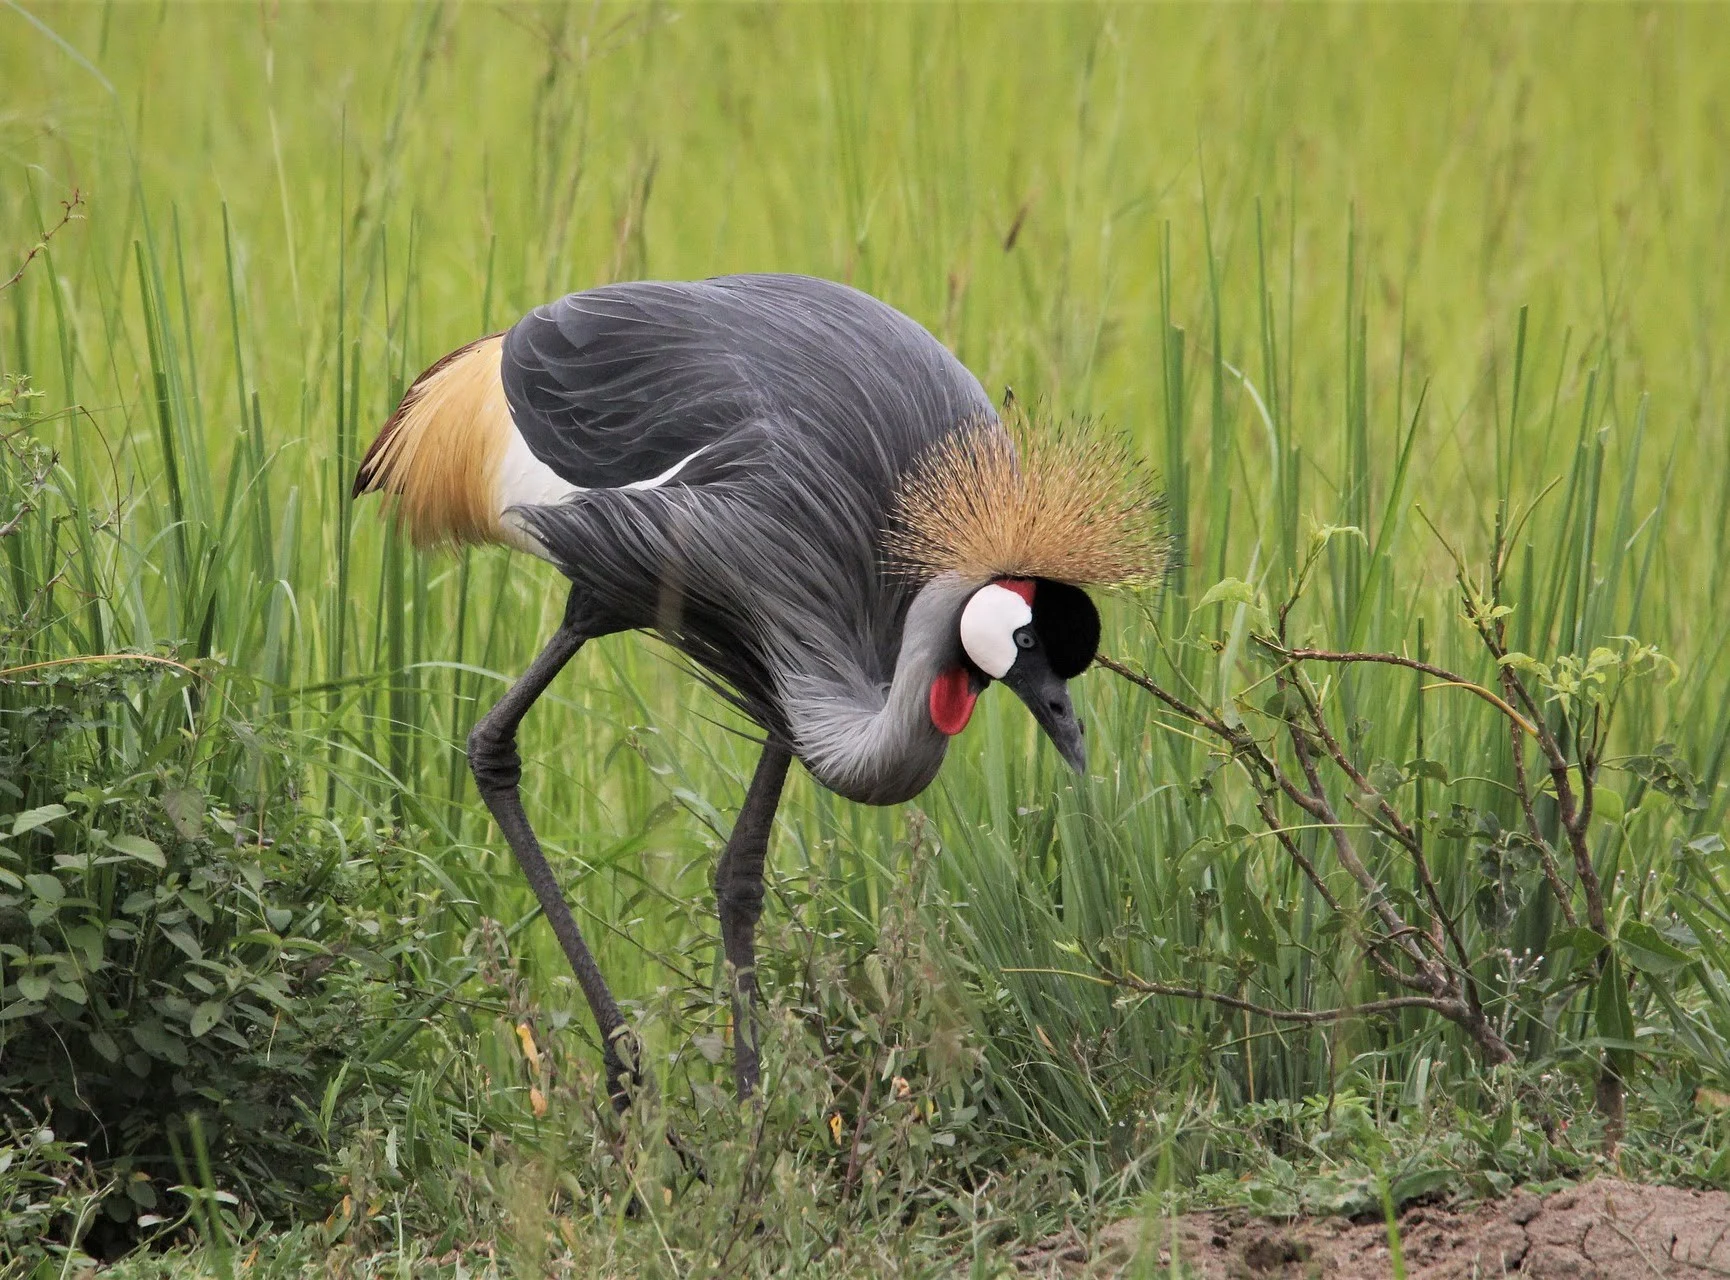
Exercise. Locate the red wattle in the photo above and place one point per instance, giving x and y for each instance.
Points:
(1022, 587)
(952, 699)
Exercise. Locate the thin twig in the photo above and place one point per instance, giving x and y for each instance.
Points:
(858, 1134)
(1142, 986)
(1449, 679)
(1245, 747)
(68, 211)
(1573, 813)
(1432, 976)
(1546, 856)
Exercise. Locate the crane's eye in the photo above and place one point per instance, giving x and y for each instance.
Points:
(1024, 638)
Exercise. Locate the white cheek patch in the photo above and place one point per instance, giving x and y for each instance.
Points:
(988, 627)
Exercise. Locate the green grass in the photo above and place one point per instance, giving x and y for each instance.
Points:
(1325, 266)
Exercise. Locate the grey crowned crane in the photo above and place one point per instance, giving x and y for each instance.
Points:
(802, 491)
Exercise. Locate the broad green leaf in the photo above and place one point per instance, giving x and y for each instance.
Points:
(152, 1037)
(1418, 1184)
(33, 986)
(206, 1016)
(104, 1044)
(46, 887)
(185, 941)
(30, 819)
(1386, 776)
(1650, 951)
(1609, 804)
(1231, 591)
(1527, 663)
(1432, 769)
(1614, 1018)
(1249, 919)
(88, 939)
(1585, 943)
(140, 848)
(185, 809)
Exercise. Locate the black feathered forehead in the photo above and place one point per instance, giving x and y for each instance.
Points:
(1068, 626)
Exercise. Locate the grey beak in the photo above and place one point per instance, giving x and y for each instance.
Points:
(1047, 697)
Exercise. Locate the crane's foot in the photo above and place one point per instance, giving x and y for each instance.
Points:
(625, 1080)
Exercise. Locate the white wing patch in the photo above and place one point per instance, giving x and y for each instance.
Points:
(526, 481)
(988, 627)
(655, 482)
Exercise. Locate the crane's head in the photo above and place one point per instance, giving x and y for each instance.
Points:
(1033, 634)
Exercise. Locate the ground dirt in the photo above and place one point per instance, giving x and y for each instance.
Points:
(1603, 1230)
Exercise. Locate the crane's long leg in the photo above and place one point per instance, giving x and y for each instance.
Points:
(739, 895)
(498, 769)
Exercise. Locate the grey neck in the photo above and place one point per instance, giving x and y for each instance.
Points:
(884, 749)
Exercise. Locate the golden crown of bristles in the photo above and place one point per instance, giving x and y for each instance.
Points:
(1032, 501)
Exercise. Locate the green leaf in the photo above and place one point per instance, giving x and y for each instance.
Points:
(1432, 769)
(1233, 591)
(46, 887)
(1386, 777)
(185, 941)
(140, 848)
(1414, 1185)
(1249, 919)
(88, 939)
(206, 1016)
(1527, 663)
(33, 986)
(104, 1044)
(30, 819)
(158, 1042)
(1669, 773)
(185, 809)
(1614, 1018)
(1607, 804)
(1584, 942)
(1650, 951)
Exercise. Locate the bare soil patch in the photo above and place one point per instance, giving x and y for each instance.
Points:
(1603, 1230)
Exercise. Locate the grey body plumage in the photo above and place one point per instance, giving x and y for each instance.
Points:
(797, 406)
(720, 463)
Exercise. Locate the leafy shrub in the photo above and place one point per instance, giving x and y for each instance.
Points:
(165, 952)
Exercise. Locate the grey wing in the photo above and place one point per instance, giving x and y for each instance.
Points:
(808, 401)
(632, 383)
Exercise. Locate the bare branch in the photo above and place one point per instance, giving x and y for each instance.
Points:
(69, 209)
(1393, 825)
(1448, 678)
(1546, 855)
(1141, 986)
